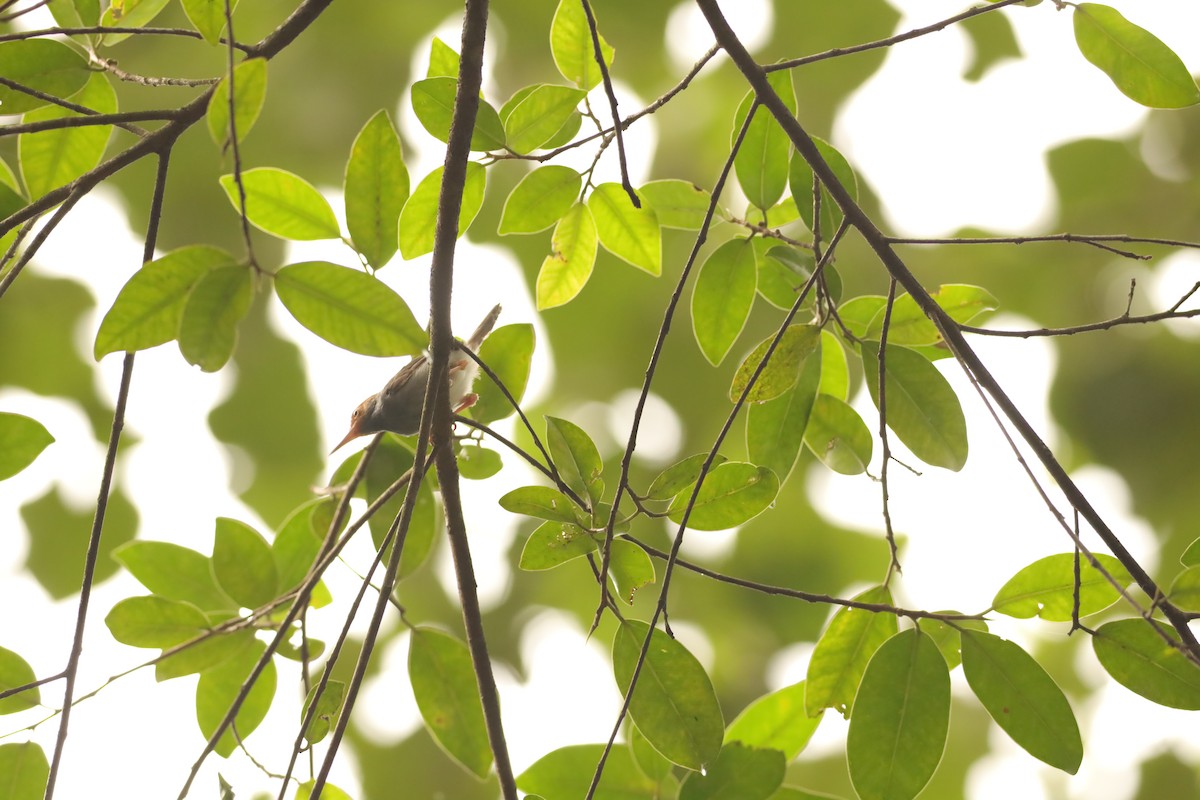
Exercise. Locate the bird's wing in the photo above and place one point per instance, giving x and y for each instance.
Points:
(404, 375)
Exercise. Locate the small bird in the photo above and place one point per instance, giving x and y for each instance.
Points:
(398, 407)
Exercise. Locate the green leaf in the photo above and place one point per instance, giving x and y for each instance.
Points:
(835, 371)
(577, 459)
(433, 103)
(243, 564)
(741, 772)
(418, 220)
(208, 17)
(350, 309)
(554, 543)
(947, 636)
(211, 313)
(376, 188)
(647, 759)
(298, 541)
(15, 671)
(24, 771)
(1141, 660)
(572, 48)
(732, 494)
(567, 772)
(566, 133)
(673, 704)
(680, 475)
(539, 115)
(478, 463)
(993, 41)
(777, 721)
(154, 621)
(174, 572)
(508, 351)
(129, 14)
(631, 234)
(329, 792)
(250, 88)
(856, 314)
(283, 204)
(630, 568)
(572, 256)
(782, 371)
(782, 272)
(775, 429)
(1137, 61)
(678, 204)
(54, 158)
(49, 66)
(203, 655)
(1046, 588)
(540, 199)
(443, 60)
(837, 435)
(75, 13)
(22, 439)
(541, 502)
(443, 681)
(1191, 556)
(1022, 699)
(901, 717)
(762, 162)
(723, 297)
(329, 704)
(910, 327)
(1185, 589)
(219, 687)
(800, 182)
(922, 409)
(149, 308)
(842, 653)
(392, 459)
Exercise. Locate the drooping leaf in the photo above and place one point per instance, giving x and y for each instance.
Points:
(567, 772)
(733, 493)
(1185, 589)
(433, 103)
(443, 682)
(54, 158)
(775, 429)
(24, 770)
(900, 720)
(678, 204)
(782, 272)
(15, 671)
(572, 47)
(842, 653)
(328, 792)
(673, 704)
(283, 204)
(800, 182)
(22, 439)
(539, 115)
(782, 371)
(250, 91)
(629, 233)
(541, 502)
(243, 564)
(947, 636)
(723, 297)
(376, 189)
(741, 771)
(219, 687)
(630, 568)
(777, 721)
(922, 409)
(572, 255)
(1191, 556)
(1143, 661)
(202, 655)
(1046, 588)
(1137, 61)
(174, 572)
(49, 66)
(208, 16)
(508, 351)
(392, 459)
(837, 435)
(554, 543)
(129, 14)
(208, 326)
(835, 370)
(909, 326)
(648, 760)
(576, 458)
(540, 199)
(149, 308)
(328, 705)
(680, 475)
(478, 463)
(350, 309)
(858, 312)
(154, 621)
(762, 162)
(1022, 699)
(418, 220)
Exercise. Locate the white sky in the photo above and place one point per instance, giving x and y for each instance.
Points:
(1049, 97)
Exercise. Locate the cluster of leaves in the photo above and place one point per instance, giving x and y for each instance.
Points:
(203, 612)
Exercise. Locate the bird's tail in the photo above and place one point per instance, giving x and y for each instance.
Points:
(484, 329)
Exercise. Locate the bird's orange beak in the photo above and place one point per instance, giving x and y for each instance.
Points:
(353, 434)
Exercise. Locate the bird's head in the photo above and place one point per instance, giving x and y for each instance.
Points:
(360, 422)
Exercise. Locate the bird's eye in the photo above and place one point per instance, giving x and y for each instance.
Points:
(357, 413)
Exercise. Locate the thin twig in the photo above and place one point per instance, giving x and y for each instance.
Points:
(72, 106)
(606, 79)
(92, 119)
(894, 564)
(104, 30)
